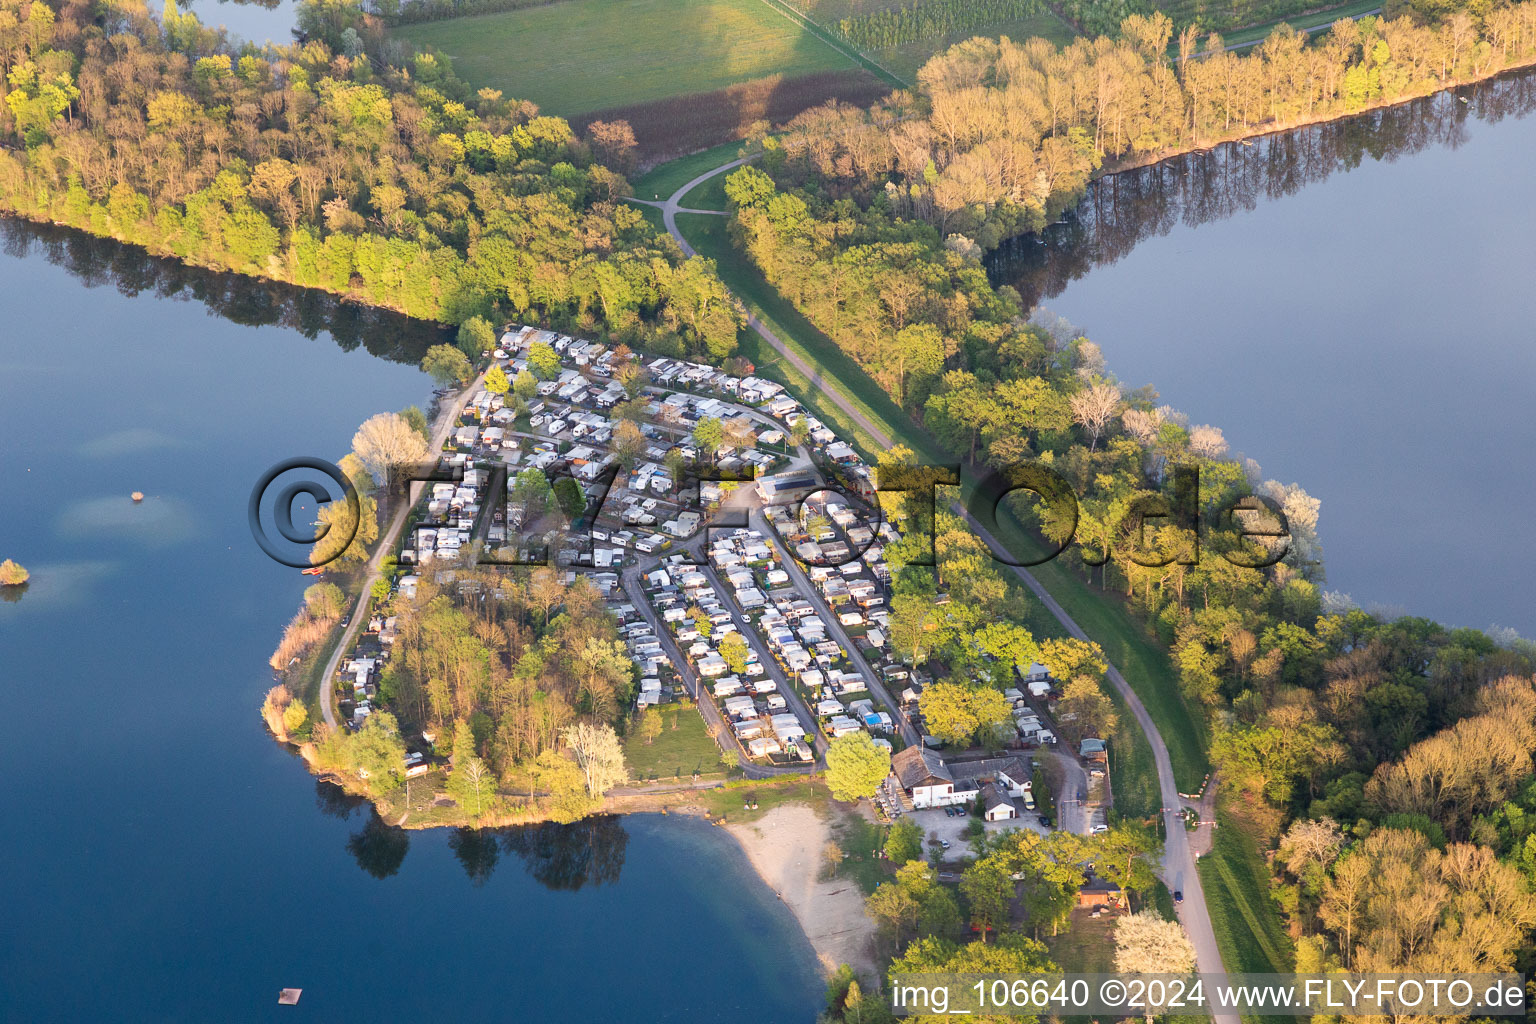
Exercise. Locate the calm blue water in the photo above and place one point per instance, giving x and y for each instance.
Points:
(1353, 305)
(162, 859)
(253, 22)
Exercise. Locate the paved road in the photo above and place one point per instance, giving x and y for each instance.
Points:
(1179, 871)
(1178, 863)
(448, 410)
(1071, 815)
(671, 206)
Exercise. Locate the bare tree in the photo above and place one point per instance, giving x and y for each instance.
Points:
(1207, 442)
(1093, 408)
(598, 753)
(1142, 425)
(386, 442)
(1310, 842)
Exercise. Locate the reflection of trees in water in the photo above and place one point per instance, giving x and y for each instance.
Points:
(477, 851)
(336, 802)
(567, 857)
(590, 851)
(1122, 210)
(243, 300)
(380, 847)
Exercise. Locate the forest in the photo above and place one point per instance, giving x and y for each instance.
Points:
(326, 166)
(1000, 136)
(521, 676)
(1341, 740)
(881, 29)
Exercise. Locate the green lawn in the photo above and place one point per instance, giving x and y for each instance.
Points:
(1245, 918)
(660, 182)
(708, 194)
(861, 840)
(1086, 945)
(731, 802)
(584, 55)
(684, 747)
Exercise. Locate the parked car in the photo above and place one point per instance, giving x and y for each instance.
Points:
(1178, 895)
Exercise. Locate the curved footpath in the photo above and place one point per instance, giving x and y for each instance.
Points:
(1179, 871)
(448, 410)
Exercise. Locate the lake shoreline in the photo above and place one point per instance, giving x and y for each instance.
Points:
(784, 846)
(1125, 165)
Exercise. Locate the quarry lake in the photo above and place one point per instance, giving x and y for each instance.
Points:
(165, 859)
(1368, 280)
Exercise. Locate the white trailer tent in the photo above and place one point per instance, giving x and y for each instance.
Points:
(788, 729)
(762, 746)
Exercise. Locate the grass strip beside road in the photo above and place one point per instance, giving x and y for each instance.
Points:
(1245, 917)
(835, 370)
(1254, 34)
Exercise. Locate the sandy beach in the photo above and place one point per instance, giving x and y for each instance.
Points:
(785, 846)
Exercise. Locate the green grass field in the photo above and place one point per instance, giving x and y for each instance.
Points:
(660, 182)
(684, 747)
(579, 56)
(1247, 923)
(709, 194)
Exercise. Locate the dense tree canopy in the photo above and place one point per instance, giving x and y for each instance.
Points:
(344, 163)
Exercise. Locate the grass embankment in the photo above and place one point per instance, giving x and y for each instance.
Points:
(584, 55)
(683, 747)
(1247, 922)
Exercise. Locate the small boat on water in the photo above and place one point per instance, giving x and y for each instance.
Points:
(137, 496)
(314, 570)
